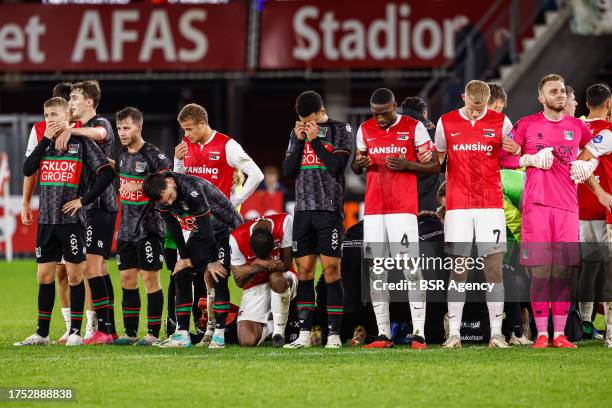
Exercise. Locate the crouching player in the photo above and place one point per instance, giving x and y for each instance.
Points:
(262, 265)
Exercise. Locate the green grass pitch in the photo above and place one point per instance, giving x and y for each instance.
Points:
(151, 377)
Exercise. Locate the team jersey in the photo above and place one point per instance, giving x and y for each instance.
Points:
(601, 147)
(61, 178)
(37, 133)
(553, 187)
(240, 244)
(214, 160)
(473, 149)
(198, 197)
(389, 191)
(315, 187)
(589, 207)
(134, 168)
(108, 198)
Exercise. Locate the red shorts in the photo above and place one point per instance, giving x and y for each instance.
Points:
(549, 236)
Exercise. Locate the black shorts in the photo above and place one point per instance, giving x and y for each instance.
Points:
(146, 254)
(56, 240)
(199, 257)
(317, 232)
(100, 225)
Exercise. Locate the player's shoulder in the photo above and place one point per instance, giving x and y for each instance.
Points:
(369, 123)
(222, 137)
(529, 119)
(337, 126)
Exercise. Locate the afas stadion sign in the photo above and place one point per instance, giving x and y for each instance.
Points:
(123, 38)
(292, 34)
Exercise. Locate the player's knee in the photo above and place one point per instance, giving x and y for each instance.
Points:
(129, 280)
(45, 276)
(60, 271)
(151, 281)
(331, 273)
(278, 282)
(248, 339)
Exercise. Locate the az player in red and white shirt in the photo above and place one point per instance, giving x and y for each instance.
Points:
(387, 148)
(601, 147)
(593, 233)
(474, 137)
(213, 156)
(262, 265)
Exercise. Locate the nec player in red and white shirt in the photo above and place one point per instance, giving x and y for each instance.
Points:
(473, 138)
(262, 265)
(387, 148)
(599, 102)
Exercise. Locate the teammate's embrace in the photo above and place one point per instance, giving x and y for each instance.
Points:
(60, 229)
(319, 149)
(262, 265)
(141, 229)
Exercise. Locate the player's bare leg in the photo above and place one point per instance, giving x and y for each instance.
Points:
(130, 305)
(283, 288)
(305, 299)
(99, 302)
(250, 333)
(155, 306)
(456, 301)
(210, 312)
(75, 272)
(45, 275)
(335, 299)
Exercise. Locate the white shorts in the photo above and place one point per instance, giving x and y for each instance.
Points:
(390, 234)
(593, 240)
(485, 226)
(255, 304)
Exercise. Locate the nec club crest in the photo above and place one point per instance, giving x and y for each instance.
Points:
(140, 166)
(214, 156)
(569, 135)
(73, 148)
(322, 132)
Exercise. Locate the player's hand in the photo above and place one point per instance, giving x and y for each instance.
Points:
(180, 150)
(61, 142)
(216, 270)
(582, 170)
(52, 129)
(605, 200)
(541, 160)
(112, 163)
(300, 130)
(129, 187)
(182, 264)
(27, 218)
(362, 161)
(270, 265)
(312, 130)
(397, 163)
(425, 152)
(510, 146)
(71, 207)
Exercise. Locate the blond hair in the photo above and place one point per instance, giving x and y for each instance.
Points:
(56, 101)
(549, 78)
(477, 91)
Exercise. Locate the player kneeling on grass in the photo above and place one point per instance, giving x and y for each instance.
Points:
(60, 224)
(262, 265)
(141, 230)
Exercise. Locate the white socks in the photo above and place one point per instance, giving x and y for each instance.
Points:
(279, 303)
(456, 301)
(381, 311)
(586, 310)
(417, 311)
(495, 303)
(66, 314)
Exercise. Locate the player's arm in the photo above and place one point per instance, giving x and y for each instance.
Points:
(241, 271)
(336, 160)
(176, 233)
(440, 142)
(361, 161)
(29, 183)
(32, 162)
(237, 158)
(600, 145)
(97, 133)
(295, 150)
(179, 157)
(402, 164)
